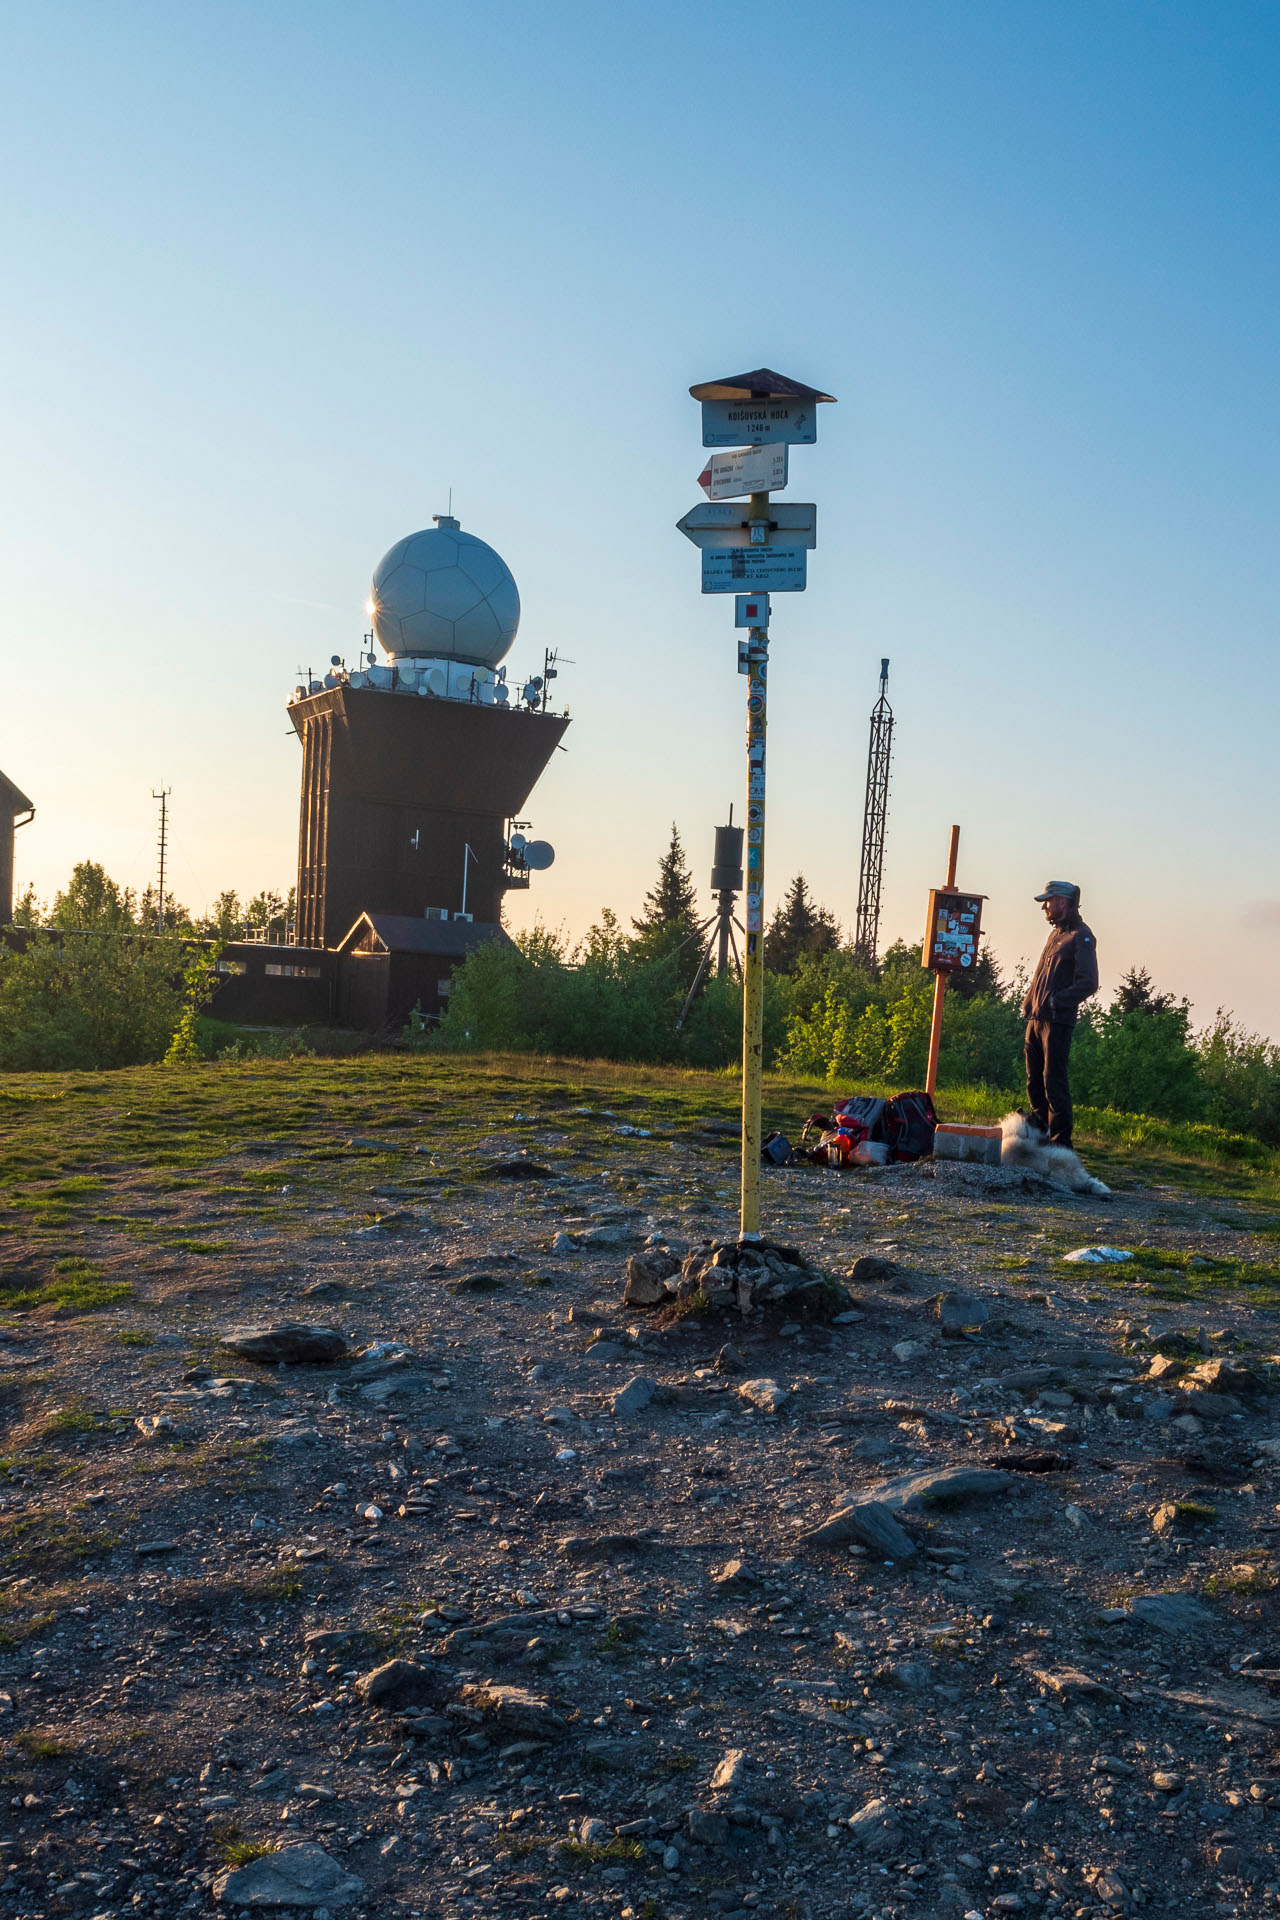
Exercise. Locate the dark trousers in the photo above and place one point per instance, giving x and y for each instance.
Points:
(1048, 1046)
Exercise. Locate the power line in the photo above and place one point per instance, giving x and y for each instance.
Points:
(875, 815)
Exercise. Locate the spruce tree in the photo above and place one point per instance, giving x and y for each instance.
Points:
(669, 922)
(798, 927)
(671, 903)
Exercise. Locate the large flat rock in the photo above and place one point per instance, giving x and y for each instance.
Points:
(298, 1876)
(946, 1487)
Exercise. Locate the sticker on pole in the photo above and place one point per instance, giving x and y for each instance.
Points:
(759, 569)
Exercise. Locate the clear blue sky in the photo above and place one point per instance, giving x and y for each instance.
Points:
(278, 276)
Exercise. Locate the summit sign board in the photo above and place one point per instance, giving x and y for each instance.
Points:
(756, 423)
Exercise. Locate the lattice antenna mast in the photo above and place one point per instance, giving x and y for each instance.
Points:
(867, 935)
(163, 838)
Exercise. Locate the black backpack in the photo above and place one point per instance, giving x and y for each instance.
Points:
(914, 1124)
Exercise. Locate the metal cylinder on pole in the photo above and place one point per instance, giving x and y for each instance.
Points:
(940, 984)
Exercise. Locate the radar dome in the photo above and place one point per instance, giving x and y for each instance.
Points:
(446, 595)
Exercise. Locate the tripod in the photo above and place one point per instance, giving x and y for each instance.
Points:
(718, 938)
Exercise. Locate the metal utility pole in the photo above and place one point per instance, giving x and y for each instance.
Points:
(163, 797)
(759, 416)
(875, 814)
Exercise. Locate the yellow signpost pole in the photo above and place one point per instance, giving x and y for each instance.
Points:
(753, 968)
(758, 415)
(940, 984)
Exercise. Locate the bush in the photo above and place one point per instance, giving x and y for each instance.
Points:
(89, 1000)
(1240, 1073)
(1138, 1061)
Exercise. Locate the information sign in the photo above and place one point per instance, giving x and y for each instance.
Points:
(755, 423)
(753, 569)
(727, 476)
(792, 523)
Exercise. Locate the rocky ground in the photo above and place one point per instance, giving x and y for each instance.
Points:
(529, 1602)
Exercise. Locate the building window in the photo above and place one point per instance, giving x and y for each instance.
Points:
(293, 973)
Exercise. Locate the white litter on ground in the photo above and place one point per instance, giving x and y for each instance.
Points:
(1097, 1256)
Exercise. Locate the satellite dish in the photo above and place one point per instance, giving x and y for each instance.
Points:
(538, 855)
(359, 680)
(517, 843)
(335, 659)
(532, 693)
(436, 681)
(501, 695)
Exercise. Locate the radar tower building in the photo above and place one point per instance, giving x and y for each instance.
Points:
(416, 766)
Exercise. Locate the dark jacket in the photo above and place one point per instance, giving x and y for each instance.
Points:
(1066, 974)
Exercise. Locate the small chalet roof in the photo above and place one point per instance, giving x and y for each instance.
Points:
(763, 384)
(12, 799)
(406, 933)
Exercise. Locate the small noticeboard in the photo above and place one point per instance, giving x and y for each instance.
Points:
(762, 569)
(952, 930)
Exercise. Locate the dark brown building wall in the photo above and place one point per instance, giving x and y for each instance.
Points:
(6, 868)
(380, 769)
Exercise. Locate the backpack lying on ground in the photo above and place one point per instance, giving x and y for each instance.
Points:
(867, 1131)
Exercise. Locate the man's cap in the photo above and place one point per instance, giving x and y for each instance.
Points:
(1058, 890)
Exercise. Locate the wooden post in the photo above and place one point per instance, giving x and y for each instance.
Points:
(940, 984)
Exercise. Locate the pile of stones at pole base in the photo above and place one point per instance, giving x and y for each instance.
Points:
(742, 1276)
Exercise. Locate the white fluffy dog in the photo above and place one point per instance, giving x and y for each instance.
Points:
(1024, 1144)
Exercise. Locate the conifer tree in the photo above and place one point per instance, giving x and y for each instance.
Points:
(798, 927)
(671, 903)
(668, 926)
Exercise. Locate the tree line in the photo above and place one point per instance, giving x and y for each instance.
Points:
(70, 998)
(832, 1014)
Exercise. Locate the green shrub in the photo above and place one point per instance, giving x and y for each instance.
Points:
(89, 999)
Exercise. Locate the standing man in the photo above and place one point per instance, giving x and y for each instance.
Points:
(1066, 974)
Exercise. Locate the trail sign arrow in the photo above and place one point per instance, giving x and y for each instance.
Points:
(793, 523)
(762, 569)
(727, 476)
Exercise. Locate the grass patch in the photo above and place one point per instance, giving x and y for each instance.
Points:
(1242, 1579)
(1184, 1274)
(42, 1746)
(604, 1853)
(275, 1588)
(1194, 1513)
(47, 1544)
(234, 1851)
(134, 1337)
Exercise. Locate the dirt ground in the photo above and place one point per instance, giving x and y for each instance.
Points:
(633, 1686)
